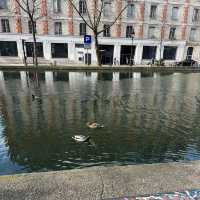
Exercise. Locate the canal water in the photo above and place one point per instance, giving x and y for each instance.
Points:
(148, 118)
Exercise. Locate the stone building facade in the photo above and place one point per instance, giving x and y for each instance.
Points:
(168, 29)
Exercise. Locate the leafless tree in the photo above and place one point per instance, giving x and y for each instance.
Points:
(93, 17)
(32, 9)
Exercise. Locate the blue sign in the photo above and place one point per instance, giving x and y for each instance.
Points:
(87, 39)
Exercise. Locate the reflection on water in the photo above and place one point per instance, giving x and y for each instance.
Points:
(148, 118)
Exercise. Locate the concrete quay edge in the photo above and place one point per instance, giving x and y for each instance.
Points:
(100, 69)
(103, 182)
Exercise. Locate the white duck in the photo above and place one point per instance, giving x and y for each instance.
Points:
(94, 125)
(81, 138)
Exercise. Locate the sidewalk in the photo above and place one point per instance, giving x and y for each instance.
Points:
(103, 183)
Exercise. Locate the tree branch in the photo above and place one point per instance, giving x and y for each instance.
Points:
(115, 20)
(21, 6)
(74, 6)
(100, 14)
(88, 13)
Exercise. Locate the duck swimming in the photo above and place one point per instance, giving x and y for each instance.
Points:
(81, 138)
(35, 97)
(94, 125)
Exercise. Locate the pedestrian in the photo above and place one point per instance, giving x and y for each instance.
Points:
(127, 60)
(115, 62)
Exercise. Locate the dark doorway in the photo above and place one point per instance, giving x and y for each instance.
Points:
(125, 58)
(39, 47)
(149, 52)
(88, 58)
(189, 53)
(106, 54)
(169, 53)
(8, 48)
(59, 50)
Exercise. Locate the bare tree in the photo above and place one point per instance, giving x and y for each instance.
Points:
(92, 17)
(31, 8)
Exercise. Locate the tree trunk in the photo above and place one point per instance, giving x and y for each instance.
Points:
(24, 53)
(35, 60)
(97, 49)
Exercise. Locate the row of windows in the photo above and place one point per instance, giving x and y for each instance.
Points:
(129, 31)
(130, 11)
(9, 48)
(5, 26)
(83, 30)
(60, 50)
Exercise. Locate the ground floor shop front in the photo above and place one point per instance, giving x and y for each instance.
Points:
(115, 51)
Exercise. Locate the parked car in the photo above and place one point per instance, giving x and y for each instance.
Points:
(188, 62)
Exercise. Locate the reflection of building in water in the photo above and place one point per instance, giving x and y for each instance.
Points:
(142, 116)
(136, 75)
(146, 74)
(125, 75)
(27, 123)
(11, 75)
(116, 76)
(2, 83)
(105, 76)
(61, 76)
(49, 81)
(24, 81)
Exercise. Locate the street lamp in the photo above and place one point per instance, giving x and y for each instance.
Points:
(132, 37)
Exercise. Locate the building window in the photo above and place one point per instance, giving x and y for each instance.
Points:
(106, 32)
(169, 53)
(149, 52)
(30, 27)
(151, 33)
(5, 25)
(153, 11)
(58, 28)
(129, 31)
(82, 28)
(193, 34)
(3, 4)
(8, 48)
(172, 33)
(130, 10)
(175, 13)
(57, 6)
(107, 9)
(82, 7)
(29, 49)
(59, 50)
(195, 17)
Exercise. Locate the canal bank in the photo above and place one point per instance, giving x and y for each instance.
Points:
(102, 182)
(104, 68)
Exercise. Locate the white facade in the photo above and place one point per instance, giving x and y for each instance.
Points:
(76, 53)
